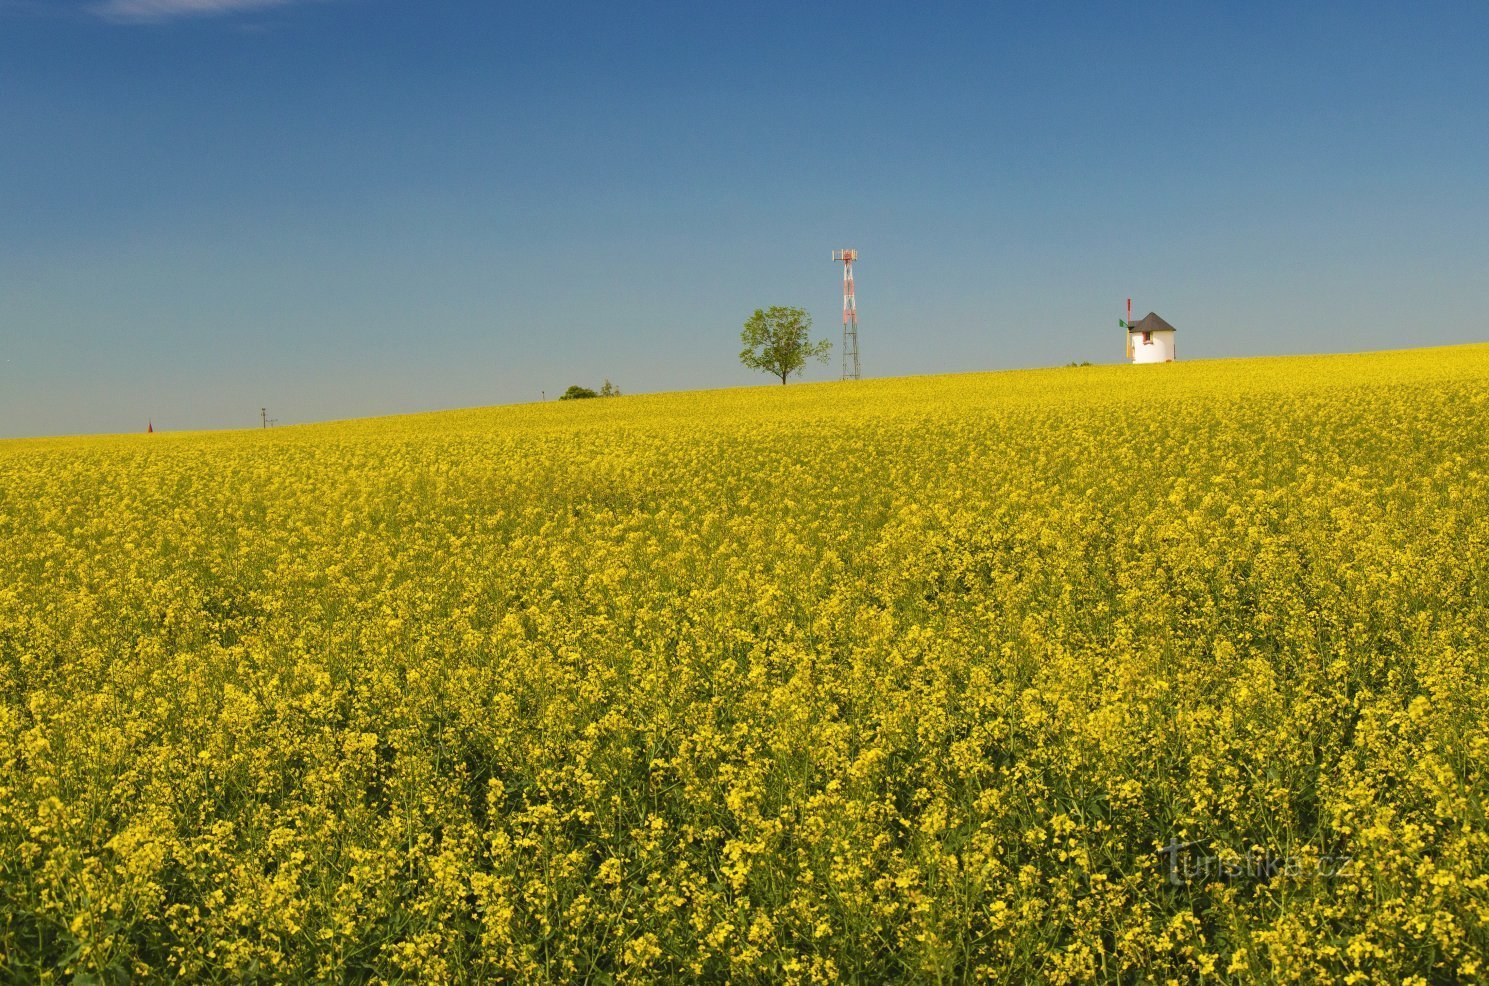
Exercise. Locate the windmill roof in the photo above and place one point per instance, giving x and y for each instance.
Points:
(1150, 323)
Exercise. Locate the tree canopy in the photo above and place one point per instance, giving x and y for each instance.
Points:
(778, 341)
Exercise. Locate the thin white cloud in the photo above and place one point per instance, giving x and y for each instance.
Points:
(160, 10)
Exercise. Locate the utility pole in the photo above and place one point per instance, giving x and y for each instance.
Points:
(264, 417)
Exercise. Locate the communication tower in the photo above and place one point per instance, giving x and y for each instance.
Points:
(850, 314)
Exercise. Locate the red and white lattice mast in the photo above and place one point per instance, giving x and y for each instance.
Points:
(850, 314)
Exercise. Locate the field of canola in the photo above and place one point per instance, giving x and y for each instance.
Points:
(1114, 674)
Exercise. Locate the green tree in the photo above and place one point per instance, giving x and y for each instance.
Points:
(577, 392)
(778, 341)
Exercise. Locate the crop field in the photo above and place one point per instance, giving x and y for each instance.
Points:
(1115, 674)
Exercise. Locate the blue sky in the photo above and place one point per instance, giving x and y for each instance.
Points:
(339, 208)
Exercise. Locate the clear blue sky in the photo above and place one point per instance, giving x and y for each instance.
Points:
(339, 208)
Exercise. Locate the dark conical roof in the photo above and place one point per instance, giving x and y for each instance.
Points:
(1150, 323)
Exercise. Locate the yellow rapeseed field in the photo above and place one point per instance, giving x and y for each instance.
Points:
(1116, 674)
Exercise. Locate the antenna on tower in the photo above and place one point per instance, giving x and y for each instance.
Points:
(850, 314)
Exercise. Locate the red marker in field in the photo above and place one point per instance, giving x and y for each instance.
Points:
(150, 429)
